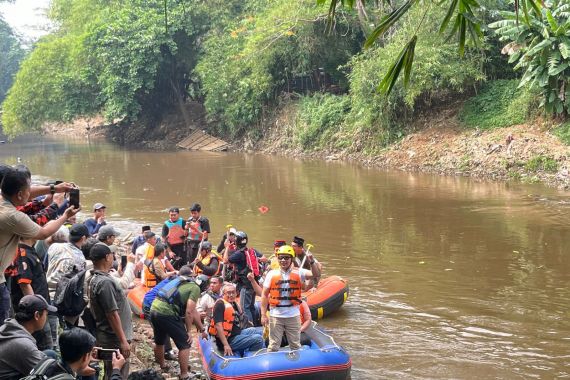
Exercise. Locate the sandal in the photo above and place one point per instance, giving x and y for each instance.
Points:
(169, 355)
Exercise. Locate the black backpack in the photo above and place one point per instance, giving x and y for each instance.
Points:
(69, 294)
(38, 373)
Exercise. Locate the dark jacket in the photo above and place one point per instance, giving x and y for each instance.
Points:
(18, 351)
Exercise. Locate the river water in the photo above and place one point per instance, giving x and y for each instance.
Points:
(449, 278)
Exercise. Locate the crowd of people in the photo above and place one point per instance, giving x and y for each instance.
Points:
(64, 284)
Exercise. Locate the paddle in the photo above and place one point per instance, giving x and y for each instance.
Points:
(228, 226)
(309, 246)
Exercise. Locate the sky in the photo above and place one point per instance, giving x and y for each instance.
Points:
(27, 17)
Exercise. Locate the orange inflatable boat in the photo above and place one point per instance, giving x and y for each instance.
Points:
(326, 298)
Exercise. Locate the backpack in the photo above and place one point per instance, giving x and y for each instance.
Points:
(69, 293)
(170, 292)
(38, 373)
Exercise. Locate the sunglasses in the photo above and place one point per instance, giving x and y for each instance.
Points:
(280, 258)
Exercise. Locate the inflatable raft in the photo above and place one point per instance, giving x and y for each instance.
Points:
(326, 298)
(135, 297)
(324, 359)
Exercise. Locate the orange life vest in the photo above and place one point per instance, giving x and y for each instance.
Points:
(230, 317)
(303, 308)
(195, 229)
(176, 233)
(278, 292)
(149, 277)
(206, 261)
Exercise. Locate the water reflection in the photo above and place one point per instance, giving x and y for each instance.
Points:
(450, 277)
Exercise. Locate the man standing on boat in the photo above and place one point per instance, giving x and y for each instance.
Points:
(198, 227)
(282, 294)
(305, 259)
(245, 260)
(174, 233)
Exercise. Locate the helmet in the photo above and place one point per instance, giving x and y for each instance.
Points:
(241, 239)
(202, 281)
(206, 245)
(286, 250)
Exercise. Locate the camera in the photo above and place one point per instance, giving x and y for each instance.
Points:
(105, 353)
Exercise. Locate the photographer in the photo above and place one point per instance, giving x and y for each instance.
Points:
(77, 352)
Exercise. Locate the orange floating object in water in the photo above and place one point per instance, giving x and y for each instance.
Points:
(263, 209)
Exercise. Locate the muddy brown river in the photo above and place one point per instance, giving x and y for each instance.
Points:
(450, 278)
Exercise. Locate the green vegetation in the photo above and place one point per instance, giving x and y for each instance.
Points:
(136, 60)
(542, 163)
(320, 117)
(248, 63)
(540, 44)
(563, 132)
(11, 53)
(117, 58)
(499, 104)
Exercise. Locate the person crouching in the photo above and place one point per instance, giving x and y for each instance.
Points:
(225, 325)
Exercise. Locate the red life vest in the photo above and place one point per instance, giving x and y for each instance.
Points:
(230, 317)
(285, 290)
(176, 233)
(251, 260)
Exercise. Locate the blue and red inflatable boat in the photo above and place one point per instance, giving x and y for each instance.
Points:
(323, 359)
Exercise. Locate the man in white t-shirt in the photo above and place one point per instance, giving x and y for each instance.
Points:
(282, 294)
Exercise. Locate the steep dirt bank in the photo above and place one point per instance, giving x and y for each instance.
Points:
(439, 145)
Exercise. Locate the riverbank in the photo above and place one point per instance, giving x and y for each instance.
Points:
(438, 144)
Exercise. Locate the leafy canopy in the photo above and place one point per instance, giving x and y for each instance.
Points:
(539, 43)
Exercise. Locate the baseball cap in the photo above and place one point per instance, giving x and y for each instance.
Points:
(79, 229)
(233, 231)
(106, 231)
(99, 251)
(34, 302)
(98, 206)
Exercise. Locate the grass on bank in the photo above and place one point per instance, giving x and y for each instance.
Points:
(498, 104)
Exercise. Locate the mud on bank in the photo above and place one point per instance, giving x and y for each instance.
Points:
(439, 144)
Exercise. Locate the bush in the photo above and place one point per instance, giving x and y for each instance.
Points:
(499, 104)
(563, 132)
(320, 116)
(246, 66)
(438, 70)
(542, 163)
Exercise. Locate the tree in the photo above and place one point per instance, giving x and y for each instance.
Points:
(461, 20)
(11, 54)
(540, 44)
